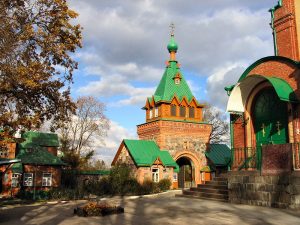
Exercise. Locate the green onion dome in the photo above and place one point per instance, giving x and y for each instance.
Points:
(172, 46)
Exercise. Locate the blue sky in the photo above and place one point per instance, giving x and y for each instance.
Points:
(124, 52)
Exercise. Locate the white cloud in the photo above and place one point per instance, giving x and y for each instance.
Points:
(217, 81)
(118, 85)
(112, 142)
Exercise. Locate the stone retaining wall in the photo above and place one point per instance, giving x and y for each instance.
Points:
(249, 187)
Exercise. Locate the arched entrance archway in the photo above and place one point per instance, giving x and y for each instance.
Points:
(186, 172)
(270, 118)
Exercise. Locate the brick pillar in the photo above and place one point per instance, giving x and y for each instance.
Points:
(287, 28)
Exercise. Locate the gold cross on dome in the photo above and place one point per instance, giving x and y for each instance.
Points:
(263, 129)
(172, 27)
(278, 124)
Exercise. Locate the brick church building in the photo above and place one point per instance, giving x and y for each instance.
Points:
(174, 123)
(265, 119)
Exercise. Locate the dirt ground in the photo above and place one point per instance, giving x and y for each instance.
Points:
(165, 209)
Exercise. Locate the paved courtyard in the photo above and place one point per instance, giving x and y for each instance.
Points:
(164, 209)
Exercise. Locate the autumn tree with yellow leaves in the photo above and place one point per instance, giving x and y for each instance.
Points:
(37, 39)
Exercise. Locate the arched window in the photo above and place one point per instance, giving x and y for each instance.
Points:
(173, 110)
(182, 111)
(192, 112)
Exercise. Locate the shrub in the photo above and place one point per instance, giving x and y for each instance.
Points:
(98, 187)
(66, 193)
(130, 186)
(119, 175)
(149, 187)
(164, 184)
(29, 195)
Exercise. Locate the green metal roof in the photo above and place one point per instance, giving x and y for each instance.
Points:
(167, 88)
(219, 154)
(39, 156)
(94, 172)
(33, 139)
(266, 59)
(283, 89)
(17, 168)
(144, 153)
(6, 161)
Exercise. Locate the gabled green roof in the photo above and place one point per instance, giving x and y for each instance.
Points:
(33, 139)
(219, 154)
(6, 161)
(39, 156)
(144, 153)
(94, 172)
(167, 88)
(17, 168)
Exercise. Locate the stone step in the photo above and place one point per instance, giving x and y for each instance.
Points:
(213, 182)
(210, 190)
(221, 179)
(197, 197)
(213, 186)
(205, 195)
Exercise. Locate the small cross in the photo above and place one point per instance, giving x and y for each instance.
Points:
(278, 124)
(172, 26)
(263, 129)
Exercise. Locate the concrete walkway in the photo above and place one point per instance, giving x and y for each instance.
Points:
(163, 209)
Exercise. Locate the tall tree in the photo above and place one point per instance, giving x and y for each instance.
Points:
(83, 130)
(220, 126)
(37, 39)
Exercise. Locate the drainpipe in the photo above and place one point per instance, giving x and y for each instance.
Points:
(272, 11)
(231, 142)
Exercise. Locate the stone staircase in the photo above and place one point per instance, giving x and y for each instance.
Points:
(215, 189)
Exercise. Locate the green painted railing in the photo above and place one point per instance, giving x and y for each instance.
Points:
(245, 158)
(251, 158)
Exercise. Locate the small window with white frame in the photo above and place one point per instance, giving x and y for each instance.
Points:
(28, 179)
(15, 180)
(150, 114)
(155, 175)
(156, 112)
(47, 179)
(175, 177)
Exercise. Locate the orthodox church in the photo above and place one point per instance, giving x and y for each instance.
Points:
(174, 140)
(264, 103)
(265, 119)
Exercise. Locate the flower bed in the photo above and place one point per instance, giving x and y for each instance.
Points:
(98, 209)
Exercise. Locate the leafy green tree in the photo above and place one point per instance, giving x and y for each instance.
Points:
(37, 40)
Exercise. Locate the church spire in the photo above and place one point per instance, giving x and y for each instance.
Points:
(172, 46)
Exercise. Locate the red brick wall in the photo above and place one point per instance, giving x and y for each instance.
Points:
(239, 134)
(277, 159)
(39, 170)
(161, 130)
(286, 33)
(280, 69)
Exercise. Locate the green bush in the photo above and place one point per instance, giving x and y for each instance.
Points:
(29, 195)
(120, 174)
(98, 187)
(164, 184)
(149, 187)
(130, 186)
(66, 194)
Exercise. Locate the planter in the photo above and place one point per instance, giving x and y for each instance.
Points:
(97, 209)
